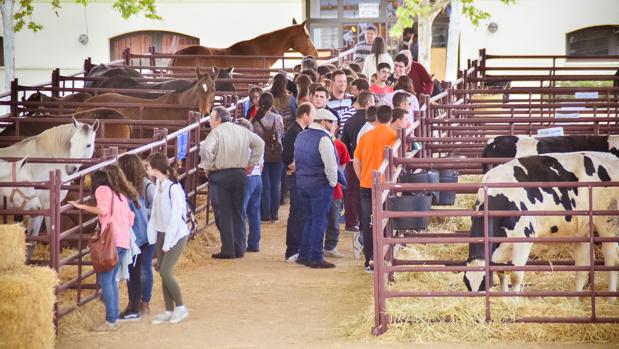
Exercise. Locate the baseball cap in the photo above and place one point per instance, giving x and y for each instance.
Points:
(324, 114)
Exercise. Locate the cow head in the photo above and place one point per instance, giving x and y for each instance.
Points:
(475, 280)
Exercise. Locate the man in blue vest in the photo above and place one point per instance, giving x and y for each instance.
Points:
(316, 174)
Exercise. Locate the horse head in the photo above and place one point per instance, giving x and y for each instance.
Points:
(225, 73)
(24, 198)
(301, 40)
(206, 88)
(82, 143)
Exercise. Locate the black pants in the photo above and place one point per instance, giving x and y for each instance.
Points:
(226, 191)
(134, 284)
(365, 218)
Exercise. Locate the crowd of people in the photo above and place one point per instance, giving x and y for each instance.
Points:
(316, 138)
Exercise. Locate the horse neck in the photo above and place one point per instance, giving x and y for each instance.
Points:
(188, 96)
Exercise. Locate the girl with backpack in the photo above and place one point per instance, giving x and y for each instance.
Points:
(111, 207)
(269, 126)
(140, 283)
(167, 228)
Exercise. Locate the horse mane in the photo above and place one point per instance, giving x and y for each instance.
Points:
(188, 87)
(56, 140)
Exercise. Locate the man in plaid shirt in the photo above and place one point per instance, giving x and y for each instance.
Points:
(364, 48)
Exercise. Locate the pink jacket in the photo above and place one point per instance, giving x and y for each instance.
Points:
(122, 215)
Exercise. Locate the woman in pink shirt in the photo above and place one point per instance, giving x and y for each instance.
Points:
(111, 205)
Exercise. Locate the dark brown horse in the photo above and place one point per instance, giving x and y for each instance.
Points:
(200, 94)
(125, 82)
(275, 43)
(105, 71)
(41, 97)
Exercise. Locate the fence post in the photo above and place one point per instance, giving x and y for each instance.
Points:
(87, 66)
(55, 82)
(380, 318)
(54, 231)
(127, 56)
(14, 97)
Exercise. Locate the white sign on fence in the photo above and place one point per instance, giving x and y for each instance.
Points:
(550, 132)
(368, 10)
(591, 95)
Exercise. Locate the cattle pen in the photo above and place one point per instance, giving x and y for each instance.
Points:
(412, 261)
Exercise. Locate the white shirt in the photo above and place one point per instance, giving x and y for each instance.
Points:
(171, 208)
(367, 127)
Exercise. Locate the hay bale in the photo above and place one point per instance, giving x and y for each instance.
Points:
(12, 246)
(26, 308)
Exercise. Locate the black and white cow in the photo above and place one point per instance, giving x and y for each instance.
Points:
(519, 146)
(554, 167)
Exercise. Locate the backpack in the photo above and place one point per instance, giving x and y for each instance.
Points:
(272, 147)
(190, 212)
(140, 221)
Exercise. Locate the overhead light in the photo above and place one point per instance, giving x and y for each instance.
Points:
(83, 39)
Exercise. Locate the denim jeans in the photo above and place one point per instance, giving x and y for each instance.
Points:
(271, 190)
(296, 218)
(251, 211)
(109, 287)
(317, 202)
(147, 272)
(333, 225)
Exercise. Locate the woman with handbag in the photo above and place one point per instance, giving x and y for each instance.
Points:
(167, 227)
(115, 220)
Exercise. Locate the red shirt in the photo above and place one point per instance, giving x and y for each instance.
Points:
(380, 92)
(344, 158)
(422, 82)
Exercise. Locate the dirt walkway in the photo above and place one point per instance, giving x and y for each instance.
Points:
(259, 302)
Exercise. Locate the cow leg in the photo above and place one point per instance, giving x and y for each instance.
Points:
(502, 255)
(609, 250)
(520, 256)
(582, 257)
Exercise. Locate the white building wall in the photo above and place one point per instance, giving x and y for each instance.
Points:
(533, 26)
(217, 23)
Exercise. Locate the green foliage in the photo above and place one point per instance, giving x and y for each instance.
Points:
(127, 8)
(412, 9)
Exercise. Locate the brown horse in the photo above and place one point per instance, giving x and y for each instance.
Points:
(275, 43)
(200, 94)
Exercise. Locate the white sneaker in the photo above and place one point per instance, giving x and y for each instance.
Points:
(178, 315)
(357, 246)
(334, 253)
(162, 318)
(292, 258)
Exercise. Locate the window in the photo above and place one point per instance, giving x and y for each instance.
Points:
(140, 41)
(600, 40)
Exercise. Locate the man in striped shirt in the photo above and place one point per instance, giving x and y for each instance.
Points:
(364, 48)
(339, 100)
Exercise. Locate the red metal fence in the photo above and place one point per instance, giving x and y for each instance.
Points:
(453, 128)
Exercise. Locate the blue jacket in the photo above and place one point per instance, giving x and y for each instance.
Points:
(310, 169)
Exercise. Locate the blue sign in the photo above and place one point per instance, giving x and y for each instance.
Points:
(181, 150)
